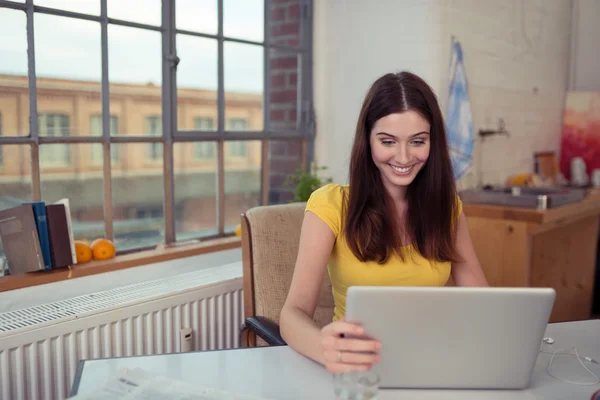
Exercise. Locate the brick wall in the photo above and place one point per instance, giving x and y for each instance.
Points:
(285, 157)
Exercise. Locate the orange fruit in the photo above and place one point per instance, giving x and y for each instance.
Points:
(103, 249)
(238, 230)
(83, 251)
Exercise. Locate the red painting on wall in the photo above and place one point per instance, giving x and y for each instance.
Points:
(581, 131)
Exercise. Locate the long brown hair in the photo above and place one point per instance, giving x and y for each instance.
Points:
(371, 229)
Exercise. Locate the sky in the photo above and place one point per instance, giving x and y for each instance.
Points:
(70, 48)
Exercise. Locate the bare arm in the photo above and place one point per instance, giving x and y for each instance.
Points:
(297, 326)
(325, 346)
(466, 272)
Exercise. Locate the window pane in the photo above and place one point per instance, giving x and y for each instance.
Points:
(14, 95)
(196, 80)
(283, 91)
(285, 23)
(67, 52)
(195, 190)
(204, 124)
(135, 74)
(15, 175)
(285, 158)
(96, 155)
(237, 124)
(67, 48)
(76, 181)
(242, 179)
(244, 19)
(204, 151)
(138, 192)
(84, 7)
(153, 127)
(197, 15)
(141, 11)
(243, 77)
(54, 155)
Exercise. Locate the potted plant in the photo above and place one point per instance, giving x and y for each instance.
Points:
(306, 182)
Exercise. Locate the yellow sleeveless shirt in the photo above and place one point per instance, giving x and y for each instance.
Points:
(346, 270)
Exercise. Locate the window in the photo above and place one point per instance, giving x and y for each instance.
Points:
(238, 149)
(54, 126)
(237, 124)
(204, 150)
(1, 160)
(96, 130)
(215, 135)
(153, 127)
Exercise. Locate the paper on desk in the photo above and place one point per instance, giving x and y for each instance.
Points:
(138, 384)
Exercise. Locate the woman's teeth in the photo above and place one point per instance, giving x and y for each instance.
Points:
(401, 170)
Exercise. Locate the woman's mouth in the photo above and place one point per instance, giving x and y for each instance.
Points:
(402, 171)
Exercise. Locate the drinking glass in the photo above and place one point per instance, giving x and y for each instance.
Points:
(356, 386)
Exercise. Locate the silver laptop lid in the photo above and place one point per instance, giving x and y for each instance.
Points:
(453, 337)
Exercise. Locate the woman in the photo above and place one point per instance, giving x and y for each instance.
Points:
(399, 222)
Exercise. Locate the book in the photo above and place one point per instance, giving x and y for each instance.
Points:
(39, 212)
(60, 248)
(66, 203)
(20, 240)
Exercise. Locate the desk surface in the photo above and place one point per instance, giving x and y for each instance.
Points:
(281, 373)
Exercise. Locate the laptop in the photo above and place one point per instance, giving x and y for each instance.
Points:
(453, 337)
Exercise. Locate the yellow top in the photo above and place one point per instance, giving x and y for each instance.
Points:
(346, 270)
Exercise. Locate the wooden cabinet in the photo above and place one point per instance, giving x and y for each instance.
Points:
(534, 248)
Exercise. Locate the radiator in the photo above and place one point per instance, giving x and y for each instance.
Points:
(41, 346)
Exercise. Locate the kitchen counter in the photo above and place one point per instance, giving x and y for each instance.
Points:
(541, 248)
(590, 205)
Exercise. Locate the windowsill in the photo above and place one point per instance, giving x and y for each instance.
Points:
(20, 281)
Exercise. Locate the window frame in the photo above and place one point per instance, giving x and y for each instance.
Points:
(57, 119)
(305, 126)
(200, 152)
(114, 150)
(152, 154)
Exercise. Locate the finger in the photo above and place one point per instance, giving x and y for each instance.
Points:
(341, 327)
(337, 368)
(351, 358)
(357, 345)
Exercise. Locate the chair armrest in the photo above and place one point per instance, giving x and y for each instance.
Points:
(266, 330)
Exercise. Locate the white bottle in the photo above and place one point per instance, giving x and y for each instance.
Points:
(579, 176)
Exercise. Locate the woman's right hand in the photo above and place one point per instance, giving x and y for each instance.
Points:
(346, 348)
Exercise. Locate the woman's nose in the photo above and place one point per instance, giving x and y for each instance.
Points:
(403, 157)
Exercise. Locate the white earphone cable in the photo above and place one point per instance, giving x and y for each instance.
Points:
(568, 352)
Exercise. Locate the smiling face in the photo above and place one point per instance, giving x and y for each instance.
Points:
(400, 146)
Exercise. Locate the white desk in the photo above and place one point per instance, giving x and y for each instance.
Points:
(280, 373)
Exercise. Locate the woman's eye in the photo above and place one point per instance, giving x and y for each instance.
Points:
(418, 142)
(387, 142)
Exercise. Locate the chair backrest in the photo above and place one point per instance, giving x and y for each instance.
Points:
(270, 239)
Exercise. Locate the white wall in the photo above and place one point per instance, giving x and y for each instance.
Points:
(585, 45)
(356, 41)
(517, 60)
(516, 55)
